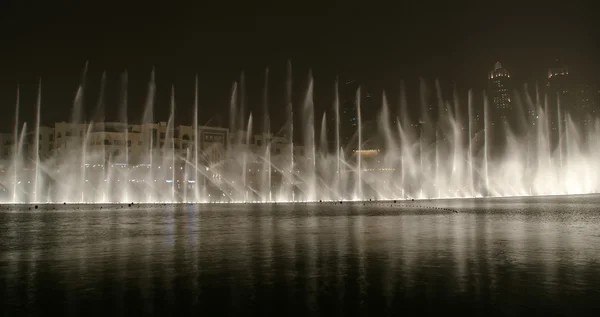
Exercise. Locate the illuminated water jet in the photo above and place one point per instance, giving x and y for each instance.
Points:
(452, 155)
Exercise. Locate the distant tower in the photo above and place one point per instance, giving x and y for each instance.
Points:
(559, 87)
(499, 86)
(348, 119)
(348, 113)
(586, 103)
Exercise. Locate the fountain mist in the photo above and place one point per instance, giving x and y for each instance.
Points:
(446, 153)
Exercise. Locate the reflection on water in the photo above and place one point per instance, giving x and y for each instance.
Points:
(493, 257)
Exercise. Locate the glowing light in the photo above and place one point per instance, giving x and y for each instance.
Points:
(366, 152)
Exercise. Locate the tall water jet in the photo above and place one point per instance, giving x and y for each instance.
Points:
(21, 143)
(359, 147)
(537, 94)
(123, 107)
(78, 109)
(470, 140)
(266, 170)
(36, 144)
(437, 142)
(247, 138)
(436, 184)
(560, 130)
(323, 147)
(148, 118)
(308, 114)
(148, 115)
(100, 126)
(425, 125)
(290, 131)
(336, 111)
(322, 172)
(457, 144)
(99, 111)
(185, 176)
(385, 184)
(237, 136)
(78, 120)
(16, 153)
(171, 130)
(84, 151)
(486, 127)
(196, 150)
(233, 115)
(548, 129)
(406, 135)
(292, 178)
(541, 143)
(242, 102)
(74, 191)
(383, 124)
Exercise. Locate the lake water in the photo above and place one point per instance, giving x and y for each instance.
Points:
(491, 257)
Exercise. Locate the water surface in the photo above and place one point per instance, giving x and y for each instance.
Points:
(489, 257)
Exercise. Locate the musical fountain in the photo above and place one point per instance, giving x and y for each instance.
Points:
(452, 155)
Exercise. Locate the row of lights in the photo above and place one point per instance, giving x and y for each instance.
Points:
(379, 169)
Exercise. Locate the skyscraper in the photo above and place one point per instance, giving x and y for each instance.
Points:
(348, 115)
(499, 93)
(559, 87)
(587, 100)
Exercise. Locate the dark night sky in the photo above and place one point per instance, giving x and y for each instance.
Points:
(376, 44)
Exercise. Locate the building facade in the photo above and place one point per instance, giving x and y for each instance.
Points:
(6, 146)
(499, 93)
(587, 101)
(559, 86)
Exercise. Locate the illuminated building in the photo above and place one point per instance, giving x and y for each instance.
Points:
(560, 95)
(348, 115)
(6, 146)
(559, 87)
(587, 100)
(499, 92)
